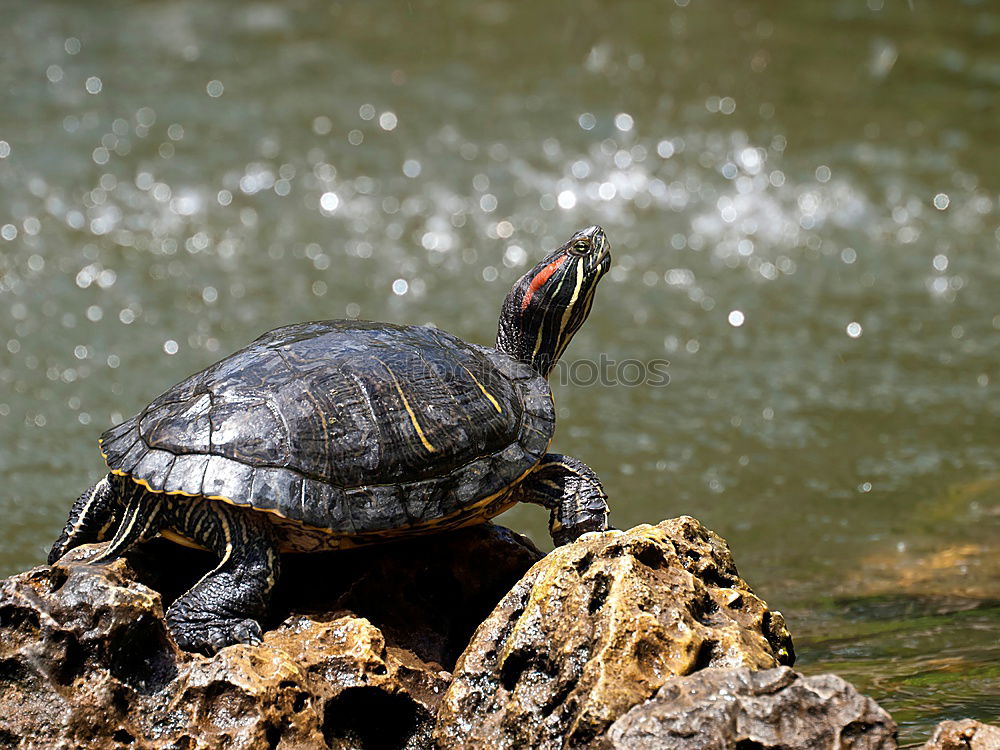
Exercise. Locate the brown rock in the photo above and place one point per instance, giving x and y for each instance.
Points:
(964, 735)
(768, 710)
(597, 627)
(86, 659)
(371, 694)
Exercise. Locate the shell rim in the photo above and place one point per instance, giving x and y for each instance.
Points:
(221, 498)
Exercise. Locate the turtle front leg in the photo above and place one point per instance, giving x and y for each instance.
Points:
(223, 607)
(571, 491)
(91, 519)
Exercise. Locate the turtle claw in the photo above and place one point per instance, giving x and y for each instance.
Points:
(571, 534)
(210, 636)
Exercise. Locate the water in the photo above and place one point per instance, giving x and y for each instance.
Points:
(802, 199)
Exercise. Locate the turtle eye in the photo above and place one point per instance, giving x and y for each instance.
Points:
(580, 247)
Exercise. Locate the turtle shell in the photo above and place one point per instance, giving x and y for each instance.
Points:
(350, 427)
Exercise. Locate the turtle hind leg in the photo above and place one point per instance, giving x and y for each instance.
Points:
(141, 518)
(91, 519)
(224, 606)
(571, 491)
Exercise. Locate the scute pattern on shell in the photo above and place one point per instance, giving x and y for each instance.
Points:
(348, 426)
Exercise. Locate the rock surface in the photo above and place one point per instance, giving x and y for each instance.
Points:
(620, 641)
(596, 628)
(964, 735)
(86, 659)
(767, 710)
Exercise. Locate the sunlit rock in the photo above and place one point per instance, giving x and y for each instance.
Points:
(597, 627)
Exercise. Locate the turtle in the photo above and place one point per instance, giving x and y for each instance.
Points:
(341, 433)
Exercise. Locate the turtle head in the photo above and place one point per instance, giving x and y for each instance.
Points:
(549, 303)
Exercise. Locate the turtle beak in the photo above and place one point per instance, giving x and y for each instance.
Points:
(600, 241)
(604, 259)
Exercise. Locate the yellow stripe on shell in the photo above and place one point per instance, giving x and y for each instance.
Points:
(486, 393)
(413, 417)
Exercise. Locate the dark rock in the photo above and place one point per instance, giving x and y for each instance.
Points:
(357, 658)
(964, 735)
(596, 628)
(766, 710)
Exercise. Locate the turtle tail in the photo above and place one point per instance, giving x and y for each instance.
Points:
(90, 519)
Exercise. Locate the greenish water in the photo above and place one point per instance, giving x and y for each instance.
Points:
(178, 177)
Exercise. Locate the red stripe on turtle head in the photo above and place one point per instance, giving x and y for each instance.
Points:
(540, 278)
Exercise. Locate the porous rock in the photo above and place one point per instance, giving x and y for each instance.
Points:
(597, 627)
(964, 735)
(770, 709)
(86, 659)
